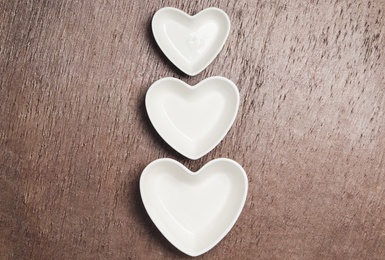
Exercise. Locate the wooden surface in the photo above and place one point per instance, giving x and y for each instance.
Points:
(75, 136)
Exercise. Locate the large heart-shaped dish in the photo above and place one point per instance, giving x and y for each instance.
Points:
(191, 42)
(194, 210)
(192, 119)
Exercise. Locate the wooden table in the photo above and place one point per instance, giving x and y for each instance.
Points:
(75, 136)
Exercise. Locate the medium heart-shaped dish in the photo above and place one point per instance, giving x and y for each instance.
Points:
(194, 210)
(192, 119)
(190, 42)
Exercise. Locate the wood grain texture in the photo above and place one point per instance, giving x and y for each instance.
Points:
(74, 134)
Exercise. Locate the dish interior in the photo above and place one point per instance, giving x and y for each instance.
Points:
(188, 113)
(191, 43)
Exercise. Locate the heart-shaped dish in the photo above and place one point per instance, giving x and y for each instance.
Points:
(194, 210)
(191, 42)
(192, 119)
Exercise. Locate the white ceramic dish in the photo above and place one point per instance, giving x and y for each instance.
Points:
(192, 119)
(194, 210)
(191, 42)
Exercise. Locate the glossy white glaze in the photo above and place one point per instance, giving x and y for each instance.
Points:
(192, 119)
(194, 210)
(191, 42)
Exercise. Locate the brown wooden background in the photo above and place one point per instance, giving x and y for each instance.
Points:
(74, 134)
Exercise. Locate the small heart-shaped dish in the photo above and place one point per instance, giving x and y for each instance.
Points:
(192, 119)
(194, 210)
(191, 42)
